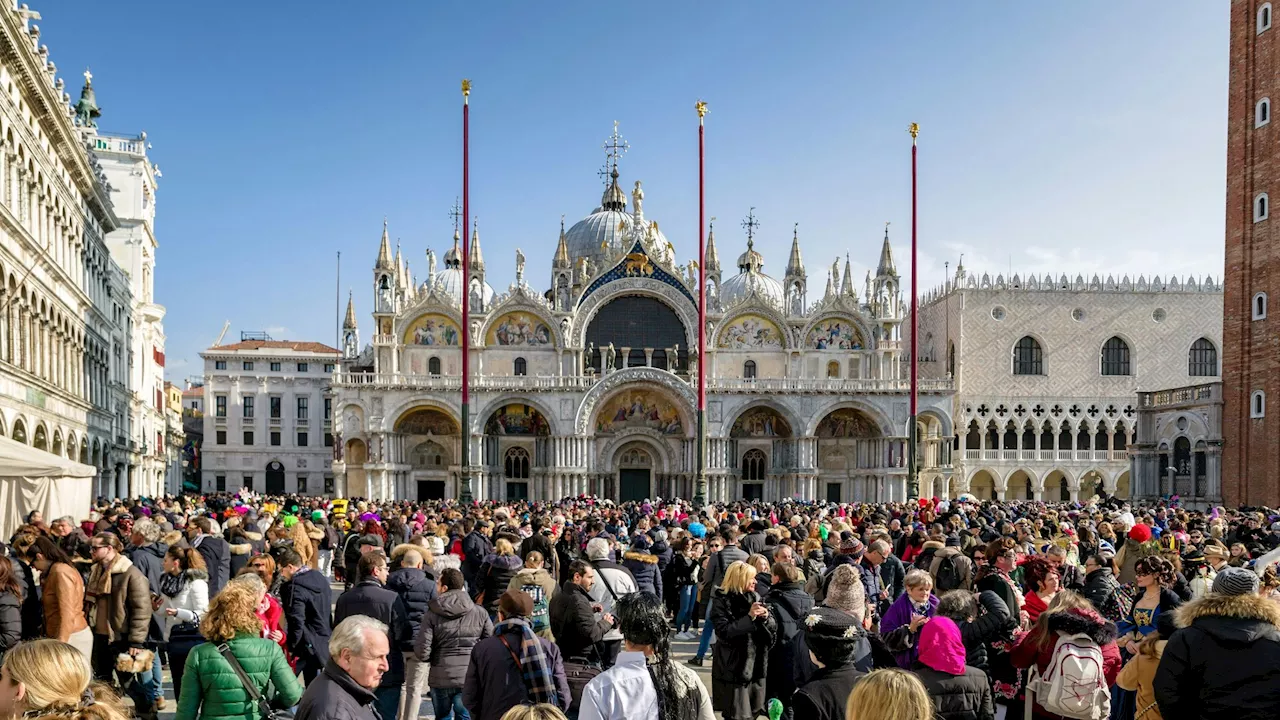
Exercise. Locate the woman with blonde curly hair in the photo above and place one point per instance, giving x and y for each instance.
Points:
(52, 680)
(210, 686)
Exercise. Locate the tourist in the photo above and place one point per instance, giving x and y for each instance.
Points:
(645, 682)
(184, 600)
(211, 688)
(643, 565)
(1040, 582)
(120, 616)
(62, 595)
(356, 658)
(1138, 674)
(685, 568)
(51, 679)
(476, 548)
(788, 604)
(514, 666)
(745, 630)
(1154, 575)
(370, 598)
(538, 584)
(722, 552)
(495, 574)
(902, 622)
(306, 600)
(539, 711)
(448, 631)
(1102, 589)
(1224, 661)
(982, 619)
(612, 581)
(1068, 614)
(268, 611)
(889, 694)
(832, 640)
(10, 606)
(216, 552)
(416, 589)
(959, 691)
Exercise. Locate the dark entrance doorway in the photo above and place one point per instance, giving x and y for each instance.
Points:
(833, 492)
(275, 479)
(633, 484)
(430, 490)
(517, 491)
(753, 491)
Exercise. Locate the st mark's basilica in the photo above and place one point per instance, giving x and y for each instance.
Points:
(587, 384)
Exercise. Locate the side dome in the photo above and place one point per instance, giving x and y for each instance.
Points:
(451, 281)
(746, 282)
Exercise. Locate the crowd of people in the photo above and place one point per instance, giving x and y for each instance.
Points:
(356, 610)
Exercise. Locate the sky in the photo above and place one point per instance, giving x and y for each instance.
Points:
(1083, 137)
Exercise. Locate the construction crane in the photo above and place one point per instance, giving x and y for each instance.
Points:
(225, 326)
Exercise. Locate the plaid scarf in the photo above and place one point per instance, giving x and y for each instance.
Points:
(532, 660)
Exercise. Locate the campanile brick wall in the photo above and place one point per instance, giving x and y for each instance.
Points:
(1251, 348)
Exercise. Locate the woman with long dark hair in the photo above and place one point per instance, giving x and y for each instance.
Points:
(616, 694)
(62, 594)
(10, 602)
(184, 599)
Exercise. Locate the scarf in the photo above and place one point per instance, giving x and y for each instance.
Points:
(171, 585)
(530, 658)
(98, 593)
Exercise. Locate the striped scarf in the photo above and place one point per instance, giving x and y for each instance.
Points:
(531, 659)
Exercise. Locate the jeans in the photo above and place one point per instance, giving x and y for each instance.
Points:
(386, 701)
(415, 684)
(446, 701)
(688, 594)
(707, 630)
(157, 681)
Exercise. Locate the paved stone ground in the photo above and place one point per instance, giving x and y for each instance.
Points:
(680, 650)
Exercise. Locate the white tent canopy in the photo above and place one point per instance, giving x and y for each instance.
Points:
(32, 479)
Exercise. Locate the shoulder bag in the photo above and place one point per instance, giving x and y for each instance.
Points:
(265, 711)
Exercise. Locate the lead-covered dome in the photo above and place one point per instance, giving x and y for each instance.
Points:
(750, 279)
(610, 230)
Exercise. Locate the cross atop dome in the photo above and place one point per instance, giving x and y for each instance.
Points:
(751, 223)
(615, 147)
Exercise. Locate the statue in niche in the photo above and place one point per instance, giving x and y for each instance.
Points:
(562, 296)
(608, 360)
(797, 302)
(586, 359)
(476, 297)
(673, 357)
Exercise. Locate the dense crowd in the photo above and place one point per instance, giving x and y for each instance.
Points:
(953, 609)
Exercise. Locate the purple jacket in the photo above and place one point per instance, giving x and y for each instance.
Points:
(898, 617)
(494, 683)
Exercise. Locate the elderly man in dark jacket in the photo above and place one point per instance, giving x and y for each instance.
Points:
(515, 666)
(306, 599)
(417, 589)
(449, 630)
(344, 691)
(371, 598)
(573, 620)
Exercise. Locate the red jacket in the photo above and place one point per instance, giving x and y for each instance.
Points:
(1072, 622)
(270, 613)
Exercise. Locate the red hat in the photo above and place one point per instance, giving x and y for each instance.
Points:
(1140, 533)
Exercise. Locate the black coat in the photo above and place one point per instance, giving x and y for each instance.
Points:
(1103, 590)
(417, 588)
(371, 599)
(495, 683)
(957, 697)
(573, 623)
(644, 568)
(741, 651)
(149, 559)
(217, 560)
(1224, 662)
(32, 608)
(475, 548)
(664, 553)
(752, 543)
(542, 543)
(306, 600)
(993, 623)
(683, 570)
(824, 696)
(10, 622)
(494, 576)
(892, 574)
(333, 695)
(788, 604)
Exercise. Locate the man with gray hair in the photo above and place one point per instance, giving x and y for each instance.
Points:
(613, 581)
(358, 652)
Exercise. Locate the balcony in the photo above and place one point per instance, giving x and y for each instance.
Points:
(1047, 456)
(572, 382)
(275, 421)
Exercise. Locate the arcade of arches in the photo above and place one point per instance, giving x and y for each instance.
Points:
(1058, 485)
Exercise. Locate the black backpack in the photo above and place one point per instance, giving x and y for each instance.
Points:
(949, 575)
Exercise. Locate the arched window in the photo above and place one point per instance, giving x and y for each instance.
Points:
(1028, 358)
(1262, 112)
(433, 366)
(1260, 207)
(1203, 359)
(1258, 404)
(516, 464)
(951, 360)
(749, 369)
(1260, 306)
(1115, 357)
(753, 465)
(833, 369)
(1264, 17)
(521, 367)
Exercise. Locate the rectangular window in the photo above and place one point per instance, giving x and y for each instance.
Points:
(219, 364)
(274, 402)
(248, 365)
(302, 484)
(328, 409)
(328, 484)
(220, 405)
(302, 439)
(247, 404)
(275, 438)
(302, 367)
(248, 437)
(220, 437)
(328, 439)
(275, 367)
(220, 483)
(302, 408)
(328, 367)
(248, 482)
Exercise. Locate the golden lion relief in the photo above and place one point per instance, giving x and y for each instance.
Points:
(637, 264)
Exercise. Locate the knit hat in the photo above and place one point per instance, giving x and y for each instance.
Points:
(317, 514)
(845, 591)
(831, 625)
(436, 544)
(850, 546)
(1140, 533)
(515, 603)
(1235, 581)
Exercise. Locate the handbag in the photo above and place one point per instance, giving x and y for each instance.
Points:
(579, 672)
(265, 711)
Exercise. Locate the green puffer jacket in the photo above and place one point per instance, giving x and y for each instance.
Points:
(212, 691)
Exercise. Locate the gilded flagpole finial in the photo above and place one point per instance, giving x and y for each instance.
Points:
(915, 131)
(466, 87)
(701, 107)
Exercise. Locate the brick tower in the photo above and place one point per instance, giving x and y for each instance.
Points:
(1251, 336)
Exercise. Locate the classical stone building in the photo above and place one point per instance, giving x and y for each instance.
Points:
(587, 384)
(1047, 372)
(1179, 445)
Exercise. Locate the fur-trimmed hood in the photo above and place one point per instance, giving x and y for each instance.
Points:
(1235, 619)
(241, 548)
(1073, 622)
(643, 557)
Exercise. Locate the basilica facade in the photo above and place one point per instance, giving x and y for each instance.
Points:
(588, 383)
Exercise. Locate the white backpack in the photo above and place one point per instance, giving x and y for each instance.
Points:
(1073, 685)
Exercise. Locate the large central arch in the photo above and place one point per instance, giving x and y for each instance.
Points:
(681, 395)
(636, 286)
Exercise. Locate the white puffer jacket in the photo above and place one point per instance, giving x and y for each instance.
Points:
(192, 602)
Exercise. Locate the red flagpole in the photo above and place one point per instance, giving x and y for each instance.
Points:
(913, 479)
(465, 494)
(700, 482)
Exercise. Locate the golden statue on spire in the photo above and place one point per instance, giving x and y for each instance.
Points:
(466, 87)
(701, 107)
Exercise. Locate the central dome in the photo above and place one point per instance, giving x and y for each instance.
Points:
(610, 230)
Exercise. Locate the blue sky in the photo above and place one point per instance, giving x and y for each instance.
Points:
(1074, 137)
